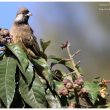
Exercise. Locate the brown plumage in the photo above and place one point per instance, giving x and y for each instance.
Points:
(4, 36)
(22, 33)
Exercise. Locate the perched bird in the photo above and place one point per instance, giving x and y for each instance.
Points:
(4, 36)
(22, 33)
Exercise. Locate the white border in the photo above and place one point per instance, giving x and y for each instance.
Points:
(54, 0)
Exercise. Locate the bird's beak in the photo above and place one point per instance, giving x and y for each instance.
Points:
(29, 14)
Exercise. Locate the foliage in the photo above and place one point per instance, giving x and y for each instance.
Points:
(33, 83)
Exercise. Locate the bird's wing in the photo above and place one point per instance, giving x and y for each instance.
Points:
(30, 41)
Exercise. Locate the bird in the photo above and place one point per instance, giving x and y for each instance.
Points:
(22, 33)
(4, 36)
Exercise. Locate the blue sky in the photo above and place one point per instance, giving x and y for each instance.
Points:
(40, 10)
(8, 11)
(76, 22)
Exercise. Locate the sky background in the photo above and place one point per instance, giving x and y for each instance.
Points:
(8, 12)
(85, 25)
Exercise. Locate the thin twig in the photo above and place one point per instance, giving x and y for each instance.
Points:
(67, 59)
(73, 62)
(77, 63)
(75, 53)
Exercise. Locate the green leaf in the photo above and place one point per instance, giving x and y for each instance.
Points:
(80, 69)
(56, 60)
(20, 54)
(64, 101)
(57, 75)
(35, 96)
(44, 44)
(7, 80)
(68, 64)
(47, 73)
(54, 102)
(42, 62)
(58, 85)
(93, 90)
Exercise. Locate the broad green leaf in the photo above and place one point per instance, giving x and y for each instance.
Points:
(48, 75)
(54, 102)
(35, 96)
(28, 74)
(20, 54)
(39, 91)
(58, 85)
(93, 90)
(7, 80)
(44, 44)
(46, 70)
(42, 62)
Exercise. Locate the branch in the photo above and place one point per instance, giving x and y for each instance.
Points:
(77, 52)
(72, 61)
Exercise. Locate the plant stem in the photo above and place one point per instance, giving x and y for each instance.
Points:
(72, 61)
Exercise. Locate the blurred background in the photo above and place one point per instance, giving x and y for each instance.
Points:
(85, 25)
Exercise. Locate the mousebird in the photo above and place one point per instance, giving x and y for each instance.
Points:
(22, 33)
